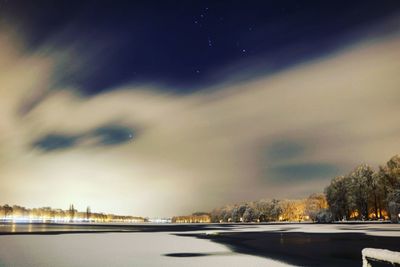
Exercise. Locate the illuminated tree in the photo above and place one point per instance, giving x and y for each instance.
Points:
(390, 179)
(7, 210)
(324, 216)
(377, 196)
(394, 205)
(241, 210)
(337, 197)
(264, 209)
(249, 215)
(227, 216)
(359, 184)
(315, 204)
(235, 215)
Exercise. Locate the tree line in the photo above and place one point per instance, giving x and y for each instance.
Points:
(362, 194)
(272, 210)
(365, 193)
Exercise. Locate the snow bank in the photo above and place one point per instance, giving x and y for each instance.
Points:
(380, 255)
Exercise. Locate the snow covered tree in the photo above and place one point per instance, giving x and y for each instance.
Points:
(315, 203)
(235, 215)
(249, 215)
(359, 185)
(337, 197)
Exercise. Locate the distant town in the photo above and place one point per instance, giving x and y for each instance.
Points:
(47, 214)
(363, 194)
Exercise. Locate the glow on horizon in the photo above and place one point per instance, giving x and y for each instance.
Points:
(44, 219)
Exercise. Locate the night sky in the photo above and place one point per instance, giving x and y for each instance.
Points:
(128, 105)
(183, 46)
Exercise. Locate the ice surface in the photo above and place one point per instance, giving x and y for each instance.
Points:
(119, 249)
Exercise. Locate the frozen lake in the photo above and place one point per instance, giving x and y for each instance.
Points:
(120, 249)
(192, 245)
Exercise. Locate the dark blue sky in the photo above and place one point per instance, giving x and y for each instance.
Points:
(183, 45)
